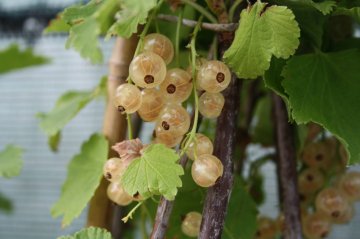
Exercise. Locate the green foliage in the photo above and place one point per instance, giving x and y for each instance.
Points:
(241, 214)
(155, 172)
(84, 174)
(11, 161)
(323, 87)
(352, 12)
(5, 204)
(78, 13)
(12, 58)
(130, 16)
(89, 233)
(83, 37)
(66, 108)
(262, 129)
(262, 32)
(57, 25)
(324, 7)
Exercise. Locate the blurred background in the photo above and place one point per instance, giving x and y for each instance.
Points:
(25, 92)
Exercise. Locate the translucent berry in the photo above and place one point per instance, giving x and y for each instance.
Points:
(174, 119)
(211, 104)
(206, 169)
(316, 226)
(310, 180)
(349, 184)
(152, 104)
(128, 98)
(266, 228)
(177, 86)
(346, 217)
(317, 155)
(332, 202)
(147, 70)
(118, 195)
(199, 146)
(191, 224)
(160, 45)
(167, 138)
(213, 76)
(113, 169)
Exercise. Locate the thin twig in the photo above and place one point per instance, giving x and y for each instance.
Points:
(287, 168)
(216, 27)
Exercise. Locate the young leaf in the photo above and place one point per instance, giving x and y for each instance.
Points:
(84, 38)
(263, 32)
(11, 161)
(83, 177)
(78, 13)
(66, 108)
(323, 88)
(130, 16)
(241, 214)
(57, 25)
(155, 172)
(89, 233)
(12, 58)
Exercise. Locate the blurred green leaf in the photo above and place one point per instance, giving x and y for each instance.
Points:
(57, 25)
(66, 108)
(5, 204)
(54, 141)
(84, 174)
(352, 12)
(324, 7)
(241, 214)
(11, 161)
(89, 233)
(12, 58)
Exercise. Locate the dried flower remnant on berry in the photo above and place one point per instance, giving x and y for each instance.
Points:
(129, 149)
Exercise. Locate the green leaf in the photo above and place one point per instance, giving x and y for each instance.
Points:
(78, 13)
(84, 38)
(324, 7)
(155, 172)
(12, 58)
(241, 214)
(352, 12)
(90, 233)
(5, 204)
(132, 14)
(273, 78)
(83, 177)
(66, 108)
(324, 88)
(57, 25)
(262, 32)
(11, 161)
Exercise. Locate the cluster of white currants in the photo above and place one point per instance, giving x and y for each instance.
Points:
(327, 192)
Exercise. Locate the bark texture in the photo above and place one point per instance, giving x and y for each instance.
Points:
(287, 170)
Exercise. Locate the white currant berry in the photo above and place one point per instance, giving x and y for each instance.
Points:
(177, 86)
(174, 119)
(160, 45)
(147, 70)
(310, 180)
(118, 195)
(152, 104)
(332, 202)
(191, 224)
(206, 169)
(213, 76)
(167, 138)
(113, 169)
(317, 155)
(349, 184)
(316, 226)
(266, 228)
(128, 98)
(211, 104)
(199, 146)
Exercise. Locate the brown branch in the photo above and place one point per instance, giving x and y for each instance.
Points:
(228, 27)
(287, 169)
(114, 128)
(163, 212)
